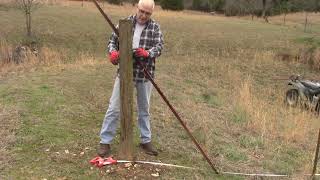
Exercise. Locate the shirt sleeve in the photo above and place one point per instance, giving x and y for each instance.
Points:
(155, 51)
(113, 44)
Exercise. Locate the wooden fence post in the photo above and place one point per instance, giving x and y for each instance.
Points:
(126, 89)
(316, 156)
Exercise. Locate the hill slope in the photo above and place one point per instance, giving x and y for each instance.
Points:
(217, 71)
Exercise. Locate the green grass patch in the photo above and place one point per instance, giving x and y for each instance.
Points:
(7, 95)
(56, 118)
(311, 41)
(234, 154)
(200, 135)
(251, 141)
(239, 115)
(285, 160)
(211, 99)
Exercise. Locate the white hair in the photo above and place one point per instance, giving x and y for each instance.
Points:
(149, 3)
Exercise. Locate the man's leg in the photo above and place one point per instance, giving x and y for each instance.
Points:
(143, 100)
(111, 120)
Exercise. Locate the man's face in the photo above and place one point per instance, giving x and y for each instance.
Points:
(143, 14)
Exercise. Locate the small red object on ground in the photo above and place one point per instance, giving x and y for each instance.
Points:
(100, 162)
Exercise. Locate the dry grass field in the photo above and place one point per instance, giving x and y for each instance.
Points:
(219, 72)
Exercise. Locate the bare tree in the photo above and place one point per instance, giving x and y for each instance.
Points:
(251, 7)
(240, 7)
(264, 9)
(305, 21)
(27, 6)
(285, 8)
(308, 7)
(264, 4)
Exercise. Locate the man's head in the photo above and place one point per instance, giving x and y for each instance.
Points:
(144, 11)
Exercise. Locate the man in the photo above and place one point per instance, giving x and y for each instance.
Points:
(147, 43)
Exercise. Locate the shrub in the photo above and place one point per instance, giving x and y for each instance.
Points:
(172, 4)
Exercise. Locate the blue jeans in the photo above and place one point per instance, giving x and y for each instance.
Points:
(111, 119)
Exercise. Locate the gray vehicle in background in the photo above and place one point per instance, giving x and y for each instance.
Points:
(303, 92)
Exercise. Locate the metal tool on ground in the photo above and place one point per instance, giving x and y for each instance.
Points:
(162, 95)
(100, 162)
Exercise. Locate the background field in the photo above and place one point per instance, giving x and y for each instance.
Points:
(219, 73)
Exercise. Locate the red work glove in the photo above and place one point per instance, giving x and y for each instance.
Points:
(140, 52)
(114, 57)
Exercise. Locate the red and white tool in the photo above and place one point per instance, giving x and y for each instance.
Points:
(100, 162)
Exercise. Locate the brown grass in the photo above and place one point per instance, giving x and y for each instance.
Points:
(272, 120)
(314, 59)
(7, 1)
(6, 52)
(292, 126)
(296, 19)
(45, 58)
(233, 76)
(9, 123)
(305, 55)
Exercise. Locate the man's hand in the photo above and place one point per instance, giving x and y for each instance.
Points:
(140, 52)
(114, 57)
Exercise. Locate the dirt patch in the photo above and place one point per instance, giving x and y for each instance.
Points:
(132, 171)
(9, 120)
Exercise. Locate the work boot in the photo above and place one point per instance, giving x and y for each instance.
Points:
(148, 149)
(104, 150)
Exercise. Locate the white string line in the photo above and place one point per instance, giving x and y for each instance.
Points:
(264, 175)
(157, 163)
(226, 173)
(260, 174)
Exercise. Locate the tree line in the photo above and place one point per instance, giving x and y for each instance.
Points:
(261, 8)
(237, 7)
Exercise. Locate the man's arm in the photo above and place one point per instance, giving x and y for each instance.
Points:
(155, 51)
(113, 44)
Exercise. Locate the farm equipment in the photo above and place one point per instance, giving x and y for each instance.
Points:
(304, 93)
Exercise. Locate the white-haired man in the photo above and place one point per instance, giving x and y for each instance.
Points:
(148, 44)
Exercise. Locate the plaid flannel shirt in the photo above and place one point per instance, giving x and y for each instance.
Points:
(151, 40)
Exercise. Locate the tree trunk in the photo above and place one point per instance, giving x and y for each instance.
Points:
(264, 8)
(29, 27)
(284, 18)
(28, 23)
(266, 19)
(306, 22)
